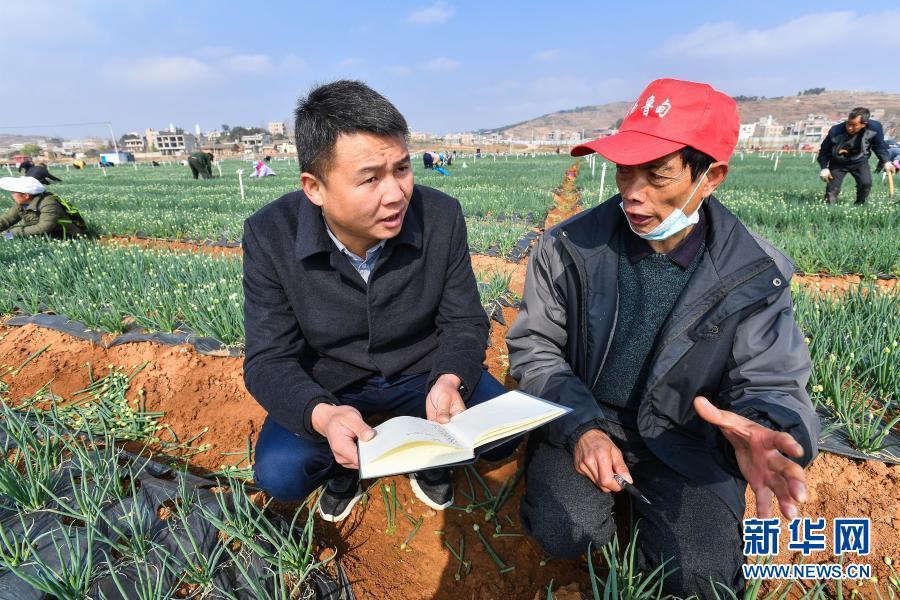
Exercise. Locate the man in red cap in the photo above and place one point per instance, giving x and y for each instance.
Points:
(667, 327)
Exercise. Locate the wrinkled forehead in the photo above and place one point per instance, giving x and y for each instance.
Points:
(669, 161)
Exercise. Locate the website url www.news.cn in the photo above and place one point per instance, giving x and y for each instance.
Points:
(811, 571)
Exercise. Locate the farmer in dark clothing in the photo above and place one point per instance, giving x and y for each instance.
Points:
(846, 149)
(359, 299)
(25, 165)
(42, 174)
(667, 327)
(37, 212)
(201, 164)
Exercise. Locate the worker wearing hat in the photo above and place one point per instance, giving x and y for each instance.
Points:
(666, 326)
(37, 212)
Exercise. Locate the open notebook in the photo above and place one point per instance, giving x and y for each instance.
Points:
(408, 444)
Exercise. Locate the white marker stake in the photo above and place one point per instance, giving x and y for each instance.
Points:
(593, 162)
(219, 167)
(775, 168)
(105, 174)
(602, 181)
(134, 164)
(67, 168)
(240, 174)
(10, 170)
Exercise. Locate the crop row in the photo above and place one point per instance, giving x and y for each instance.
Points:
(165, 201)
(786, 207)
(81, 519)
(109, 287)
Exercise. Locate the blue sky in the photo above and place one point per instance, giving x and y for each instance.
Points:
(448, 66)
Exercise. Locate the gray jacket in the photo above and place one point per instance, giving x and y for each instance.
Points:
(730, 337)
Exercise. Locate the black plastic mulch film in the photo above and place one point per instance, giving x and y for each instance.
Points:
(204, 345)
(837, 441)
(155, 486)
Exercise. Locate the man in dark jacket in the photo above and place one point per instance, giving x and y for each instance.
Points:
(42, 174)
(846, 149)
(667, 327)
(359, 299)
(201, 164)
(37, 212)
(25, 165)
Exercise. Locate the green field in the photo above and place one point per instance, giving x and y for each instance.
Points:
(499, 198)
(786, 207)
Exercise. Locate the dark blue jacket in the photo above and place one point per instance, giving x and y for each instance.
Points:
(872, 140)
(313, 326)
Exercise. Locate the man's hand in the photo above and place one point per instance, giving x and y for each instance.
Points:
(760, 454)
(342, 426)
(825, 175)
(889, 168)
(598, 459)
(444, 401)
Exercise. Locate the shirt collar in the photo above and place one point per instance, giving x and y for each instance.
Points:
(637, 248)
(344, 250)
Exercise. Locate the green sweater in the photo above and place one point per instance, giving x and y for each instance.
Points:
(648, 291)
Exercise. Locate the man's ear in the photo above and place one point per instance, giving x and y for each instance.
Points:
(313, 187)
(718, 171)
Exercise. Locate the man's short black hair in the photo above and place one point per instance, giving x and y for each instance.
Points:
(340, 107)
(861, 112)
(697, 161)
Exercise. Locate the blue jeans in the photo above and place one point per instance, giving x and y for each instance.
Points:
(290, 467)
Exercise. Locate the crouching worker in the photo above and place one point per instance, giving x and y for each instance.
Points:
(38, 212)
(359, 299)
(667, 327)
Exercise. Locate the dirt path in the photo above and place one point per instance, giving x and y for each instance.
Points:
(175, 246)
(567, 198)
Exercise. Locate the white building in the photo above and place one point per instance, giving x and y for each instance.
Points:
(275, 127)
(746, 131)
(175, 143)
(133, 145)
(255, 141)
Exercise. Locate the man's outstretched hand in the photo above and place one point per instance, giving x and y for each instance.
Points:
(342, 426)
(762, 457)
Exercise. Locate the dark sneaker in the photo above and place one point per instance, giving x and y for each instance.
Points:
(339, 497)
(433, 487)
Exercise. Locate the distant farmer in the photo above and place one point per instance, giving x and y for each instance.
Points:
(262, 169)
(359, 299)
(79, 164)
(42, 174)
(25, 165)
(428, 160)
(667, 327)
(846, 149)
(37, 212)
(201, 164)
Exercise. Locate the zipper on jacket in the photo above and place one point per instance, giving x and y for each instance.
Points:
(609, 341)
(564, 238)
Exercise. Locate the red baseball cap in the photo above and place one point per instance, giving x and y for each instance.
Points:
(669, 115)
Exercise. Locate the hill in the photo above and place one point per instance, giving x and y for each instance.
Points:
(835, 104)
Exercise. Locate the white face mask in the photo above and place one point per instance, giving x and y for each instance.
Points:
(675, 222)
